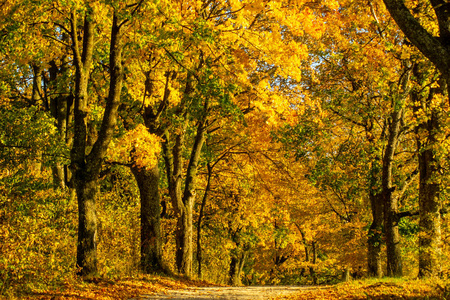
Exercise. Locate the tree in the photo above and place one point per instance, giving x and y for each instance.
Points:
(434, 46)
(363, 99)
(86, 166)
(214, 62)
(429, 101)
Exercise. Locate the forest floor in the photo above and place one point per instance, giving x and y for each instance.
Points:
(159, 288)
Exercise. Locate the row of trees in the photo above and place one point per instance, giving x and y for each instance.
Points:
(318, 118)
(388, 116)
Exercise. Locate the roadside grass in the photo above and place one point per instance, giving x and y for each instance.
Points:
(380, 289)
(107, 289)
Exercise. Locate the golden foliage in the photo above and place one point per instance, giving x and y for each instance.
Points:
(137, 146)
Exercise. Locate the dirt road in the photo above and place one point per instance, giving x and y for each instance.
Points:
(228, 293)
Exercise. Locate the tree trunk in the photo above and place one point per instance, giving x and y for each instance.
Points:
(394, 259)
(236, 266)
(86, 190)
(238, 257)
(151, 253)
(189, 198)
(305, 245)
(86, 167)
(429, 187)
(312, 268)
(200, 219)
(375, 237)
(173, 162)
(148, 183)
(85, 184)
(184, 234)
(390, 202)
(429, 204)
(35, 165)
(184, 203)
(58, 109)
(346, 275)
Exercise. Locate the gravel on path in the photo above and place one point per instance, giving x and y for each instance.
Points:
(228, 293)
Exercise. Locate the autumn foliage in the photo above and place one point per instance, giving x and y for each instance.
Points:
(239, 142)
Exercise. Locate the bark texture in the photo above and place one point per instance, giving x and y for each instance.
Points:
(200, 220)
(151, 253)
(430, 219)
(86, 166)
(429, 188)
(375, 239)
(394, 259)
(183, 201)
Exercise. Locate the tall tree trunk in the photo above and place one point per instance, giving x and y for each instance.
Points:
(394, 259)
(148, 183)
(86, 190)
(312, 268)
(238, 257)
(236, 266)
(429, 204)
(59, 110)
(429, 187)
(86, 167)
(173, 162)
(184, 241)
(375, 237)
(390, 202)
(200, 220)
(35, 165)
(85, 184)
(183, 203)
(305, 245)
(151, 253)
(189, 197)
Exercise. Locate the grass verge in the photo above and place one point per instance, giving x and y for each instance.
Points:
(106, 289)
(383, 289)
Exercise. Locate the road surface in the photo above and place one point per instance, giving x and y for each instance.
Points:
(228, 293)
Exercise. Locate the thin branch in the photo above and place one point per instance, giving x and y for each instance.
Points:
(408, 182)
(55, 39)
(407, 214)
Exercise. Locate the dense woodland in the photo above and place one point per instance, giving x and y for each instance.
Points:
(236, 141)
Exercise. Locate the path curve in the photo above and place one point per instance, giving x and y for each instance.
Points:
(229, 293)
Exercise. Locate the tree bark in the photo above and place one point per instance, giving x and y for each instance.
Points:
(312, 268)
(236, 266)
(429, 207)
(238, 257)
(200, 219)
(173, 162)
(429, 188)
(86, 167)
(186, 231)
(390, 202)
(375, 239)
(394, 259)
(151, 252)
(59, 111)
(183, 203)
(148, 184)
